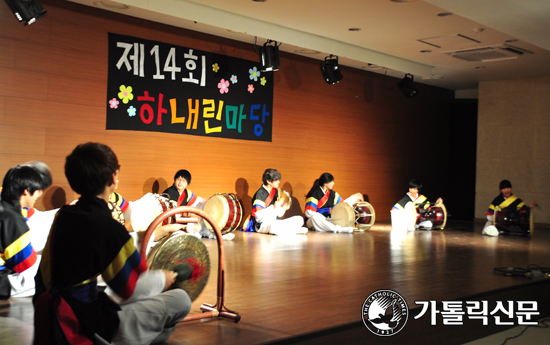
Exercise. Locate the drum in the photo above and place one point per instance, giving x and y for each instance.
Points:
(143, 211)
(284, 198)
(365, 215)
(182, 248)
(361, 215)
(512, 220)
(226, 210)
(437, 214)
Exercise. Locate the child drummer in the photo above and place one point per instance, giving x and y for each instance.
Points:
(403, 213)
(267, 209)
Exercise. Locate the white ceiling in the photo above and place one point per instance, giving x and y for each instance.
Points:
(392, 34)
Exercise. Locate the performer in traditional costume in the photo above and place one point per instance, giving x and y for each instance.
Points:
(86, 242)
(184, 197)
(267, 209)
(179, 192)
(320, 201)
(21, 187)
(505, 200)
(403, 213)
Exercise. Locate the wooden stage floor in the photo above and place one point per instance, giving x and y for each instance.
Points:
(310, 288)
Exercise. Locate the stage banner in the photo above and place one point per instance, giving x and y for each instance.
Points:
(154, 86)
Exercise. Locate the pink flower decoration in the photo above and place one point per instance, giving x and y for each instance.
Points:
(223, 86)
(250, 88)
(114, 103)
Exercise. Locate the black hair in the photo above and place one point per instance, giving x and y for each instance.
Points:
(270, 175)
(414, 183)
(18, 179)
(324, 178)
(504, 184)
(90, 167)
(44, 171)
(185, 174)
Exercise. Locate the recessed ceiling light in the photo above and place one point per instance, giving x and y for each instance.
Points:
(111, 4)
(306, 51)
(354, 29)
(433, 76)
(444, 14)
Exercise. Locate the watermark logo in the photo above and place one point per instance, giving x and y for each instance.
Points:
(385, 312)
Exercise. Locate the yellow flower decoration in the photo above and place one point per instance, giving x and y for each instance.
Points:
(263, 81)
(125, 94)
(215, 67)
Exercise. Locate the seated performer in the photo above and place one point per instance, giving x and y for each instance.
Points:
(403, 213)
(21, 187)
(504, 200)
(321, 199)
(39, 223)
(86, 242)
(267, 210)
(184, 197)
(179, 192)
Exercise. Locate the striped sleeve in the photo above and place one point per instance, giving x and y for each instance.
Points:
(258, 205)
(123, 272)
(397, 207)
(311, 204)
(337, 198)
(191, 198)
(119, 201)
(20, 255)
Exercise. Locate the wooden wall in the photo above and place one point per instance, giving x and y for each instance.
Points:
(53, 80)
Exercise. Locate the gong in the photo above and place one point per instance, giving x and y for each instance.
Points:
(182, 248)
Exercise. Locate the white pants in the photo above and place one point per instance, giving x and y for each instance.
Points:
(290, 226)
(151, 320)
(404, 220)
(318, 222)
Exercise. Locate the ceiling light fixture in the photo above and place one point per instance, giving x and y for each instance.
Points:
(354, 29)
(28, 11)
(111, 5)
(330, 70)
(406, 85)
(307, 51)
(269, 56)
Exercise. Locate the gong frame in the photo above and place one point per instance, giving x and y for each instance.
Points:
(208, 310)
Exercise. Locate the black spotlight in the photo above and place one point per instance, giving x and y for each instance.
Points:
(406, 85)
(330, 70)
(269, 56)
(28, 11)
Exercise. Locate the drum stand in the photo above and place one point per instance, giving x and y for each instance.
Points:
(209, 310)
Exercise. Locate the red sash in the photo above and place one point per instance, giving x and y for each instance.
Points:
(324, 199)
(270, 197)
(182, 197)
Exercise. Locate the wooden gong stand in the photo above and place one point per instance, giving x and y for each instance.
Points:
(209, 310)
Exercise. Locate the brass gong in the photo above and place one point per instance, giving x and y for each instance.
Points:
(182, 248)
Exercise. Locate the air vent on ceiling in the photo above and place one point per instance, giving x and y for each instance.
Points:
(488, 54)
